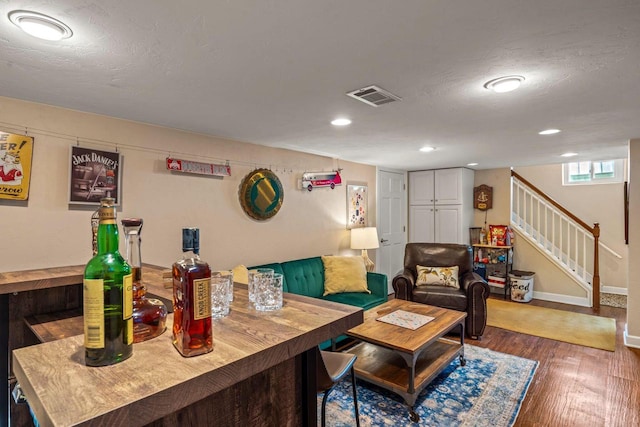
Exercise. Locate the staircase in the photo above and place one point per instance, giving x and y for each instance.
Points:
(559, 235)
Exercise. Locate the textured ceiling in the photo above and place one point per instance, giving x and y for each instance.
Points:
(275, 72)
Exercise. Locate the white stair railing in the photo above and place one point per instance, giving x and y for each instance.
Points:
(565, 239)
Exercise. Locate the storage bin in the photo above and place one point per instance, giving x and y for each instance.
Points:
(474, 235)
(497, 281)
(521, 285)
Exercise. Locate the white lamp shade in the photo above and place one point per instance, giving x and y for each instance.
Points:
(364, 238)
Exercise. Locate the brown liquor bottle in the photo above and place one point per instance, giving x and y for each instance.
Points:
(192, 331)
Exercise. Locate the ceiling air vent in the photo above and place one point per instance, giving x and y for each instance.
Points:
(374, 95)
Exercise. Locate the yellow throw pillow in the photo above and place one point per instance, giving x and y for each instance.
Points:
(442, 276)
(344, 274)
(240, 274)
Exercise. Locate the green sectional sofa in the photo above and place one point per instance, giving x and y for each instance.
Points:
(306, 277)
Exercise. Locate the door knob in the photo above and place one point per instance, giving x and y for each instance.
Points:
(383, 240)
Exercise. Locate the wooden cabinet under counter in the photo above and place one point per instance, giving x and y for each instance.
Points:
(261, 372)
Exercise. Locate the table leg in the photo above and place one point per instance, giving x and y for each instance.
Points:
(309, 387)
(463, 361)
(4, 359)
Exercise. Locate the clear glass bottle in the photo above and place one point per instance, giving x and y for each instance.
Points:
(192, 330)
(107, 296)
(149, 314)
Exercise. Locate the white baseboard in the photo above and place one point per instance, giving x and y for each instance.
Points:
(613, 290)
(630, 340)
(565, 299)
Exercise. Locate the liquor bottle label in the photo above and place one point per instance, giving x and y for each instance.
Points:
(201, 298)
(93, 313)
(130, 331)
(127, 296)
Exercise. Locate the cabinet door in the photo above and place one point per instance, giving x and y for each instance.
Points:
(447, 224)
(421, 188)
(421, 224)
(448, 186)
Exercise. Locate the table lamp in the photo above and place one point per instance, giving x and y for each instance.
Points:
(365, 238)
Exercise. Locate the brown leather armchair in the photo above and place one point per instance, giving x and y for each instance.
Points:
(473, 292)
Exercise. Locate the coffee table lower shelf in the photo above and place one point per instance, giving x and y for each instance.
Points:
(390, 370)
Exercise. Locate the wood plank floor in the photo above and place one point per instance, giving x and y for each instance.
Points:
(575, 385)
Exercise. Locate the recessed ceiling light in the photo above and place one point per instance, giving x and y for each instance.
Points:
(427, 149)
(569, 154)
(549, 132)
(504, 84)
(39, 25)
(341, 122)
(472, 164)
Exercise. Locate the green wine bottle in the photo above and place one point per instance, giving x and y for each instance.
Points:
(108, 297)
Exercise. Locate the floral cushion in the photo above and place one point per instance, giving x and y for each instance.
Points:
(442, 276)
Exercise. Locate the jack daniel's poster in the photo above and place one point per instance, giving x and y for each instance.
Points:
(15, 165)
(95, 174)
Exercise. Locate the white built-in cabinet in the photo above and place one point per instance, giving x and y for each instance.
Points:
(440, 205)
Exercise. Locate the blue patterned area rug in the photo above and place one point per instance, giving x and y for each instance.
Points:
(487, 391)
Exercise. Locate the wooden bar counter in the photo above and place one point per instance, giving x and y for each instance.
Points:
(261, 371)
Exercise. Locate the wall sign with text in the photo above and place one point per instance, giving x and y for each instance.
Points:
(16, 152)
(94, 174)
(198, 168)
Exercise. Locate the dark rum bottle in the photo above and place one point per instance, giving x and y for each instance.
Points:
(107, 296)
(192, 332)
(149, 314)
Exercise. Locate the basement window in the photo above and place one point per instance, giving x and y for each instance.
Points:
(593, 172)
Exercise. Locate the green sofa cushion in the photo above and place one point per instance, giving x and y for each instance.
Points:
(305, 276)
(360, 299)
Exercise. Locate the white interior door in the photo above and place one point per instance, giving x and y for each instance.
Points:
(392, 204)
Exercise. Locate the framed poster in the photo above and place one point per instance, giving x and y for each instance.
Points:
(15, 165)
(94, 174)
(357, 207)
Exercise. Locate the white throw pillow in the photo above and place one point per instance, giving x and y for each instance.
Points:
(441, 276)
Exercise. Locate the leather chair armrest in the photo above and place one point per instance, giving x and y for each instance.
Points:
(477, 291)
(403, 285)
(471, 280)
(377, 284)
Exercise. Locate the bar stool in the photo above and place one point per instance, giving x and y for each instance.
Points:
(333, 368)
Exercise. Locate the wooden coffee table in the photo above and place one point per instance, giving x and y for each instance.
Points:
(403, 360)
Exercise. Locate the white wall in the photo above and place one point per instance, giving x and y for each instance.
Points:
(45, 231)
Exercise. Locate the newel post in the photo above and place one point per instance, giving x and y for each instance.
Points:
(596, 268)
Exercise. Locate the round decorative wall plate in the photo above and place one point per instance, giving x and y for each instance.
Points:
(261, 194)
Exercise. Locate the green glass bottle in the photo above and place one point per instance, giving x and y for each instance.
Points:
(108, 296)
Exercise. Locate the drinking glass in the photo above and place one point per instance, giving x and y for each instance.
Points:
(219, 294)
(230, 274)
(268, 293)
(254, 276)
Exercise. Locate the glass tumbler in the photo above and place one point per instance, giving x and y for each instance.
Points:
(254, 276)
(230, 274)
(268, 293)
(219, 294)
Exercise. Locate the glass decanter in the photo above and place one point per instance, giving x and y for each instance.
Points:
(149, 314)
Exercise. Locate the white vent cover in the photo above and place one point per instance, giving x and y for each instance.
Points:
(374, 96)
